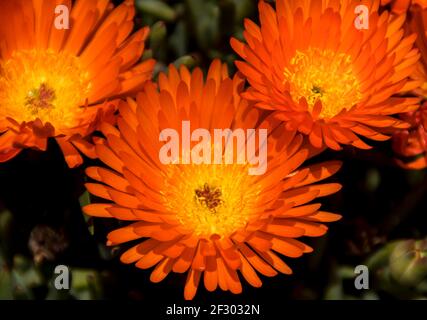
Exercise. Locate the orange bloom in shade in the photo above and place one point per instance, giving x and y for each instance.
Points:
(401, 6)
(58, 82)
(324, 77)
(397, 6)
(214, 222)
(417, 23)
(410, 145)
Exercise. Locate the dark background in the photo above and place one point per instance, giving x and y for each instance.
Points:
(41, 223)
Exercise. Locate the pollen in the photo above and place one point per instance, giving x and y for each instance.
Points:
(209, 196)
(45, 85)
(211, 199)
(41, 98)
(326, 76)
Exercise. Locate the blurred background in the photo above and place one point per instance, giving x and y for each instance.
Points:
(41, 224)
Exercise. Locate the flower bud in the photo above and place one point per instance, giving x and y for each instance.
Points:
(408, 262)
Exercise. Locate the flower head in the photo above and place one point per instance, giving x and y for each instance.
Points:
(60, 82)
(323, 76)
(214, 221)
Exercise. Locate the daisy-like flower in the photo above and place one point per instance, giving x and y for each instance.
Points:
(215, 222)
(59, 82)
(410, 145)
(323, 76)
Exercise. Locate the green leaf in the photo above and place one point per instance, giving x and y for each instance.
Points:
(188, 61)
(158, 43)
(205, 17)
(5, 234)
(86, 284)
(243, 8)
(6, 284)
(25, 277)
(84, 201)
(178, 40)
(157, 9)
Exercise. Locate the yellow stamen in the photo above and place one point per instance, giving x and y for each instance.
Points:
(323, 75)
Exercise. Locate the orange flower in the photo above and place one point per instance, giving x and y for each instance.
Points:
(397, 6)
(417, 23)
(213, 221)
(57, 82)
(325, 78)
(401, 6)
(410, 145)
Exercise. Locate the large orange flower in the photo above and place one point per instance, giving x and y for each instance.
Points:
(210, 220)
(56, 82)
(325, 78)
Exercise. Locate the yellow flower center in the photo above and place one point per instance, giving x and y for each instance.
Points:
(43, 84)
(211, 199)
(323, 75)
